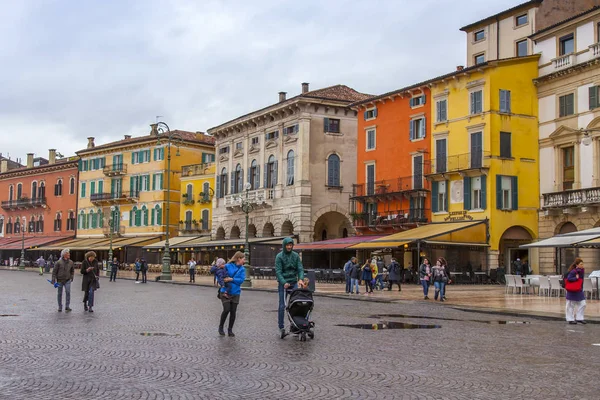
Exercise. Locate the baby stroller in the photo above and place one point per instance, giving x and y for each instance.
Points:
(299, 304)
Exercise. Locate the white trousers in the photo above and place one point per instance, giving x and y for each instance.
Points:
(575, 310)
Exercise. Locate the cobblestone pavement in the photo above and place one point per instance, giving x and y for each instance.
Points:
(49, 355)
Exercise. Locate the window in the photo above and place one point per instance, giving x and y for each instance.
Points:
(71, 221)
(370, 114)
(290, 130)
(207, 158)
(157, 181)
(254, 175)
(521, 20)
(82, 192)
(142, 156)
(34, 190)
(594, 97)
(159, 154)
(239, 146)
(479, 35)
(566, 44)
(11, 194)
(505, 145)
(17, 226)
(440, 155)
(476, 150)
(371, 139)
(568, 167)
(145, 215)
(479, 59)
(255, 141)
(72, 186)
(418, 172)
(333, 171)
(417, 101)
(271, 173)
(237, 180)
(80, 220)
(19, 191)
(332, 125)
(222, 184)
(505, 101)
(417, 209)
(439, 196)
(290, 167)
(566, 105)
(9, 226)
(224, 150)
(417, 128)
(507, 192)
(474, 189)
(441, 107)
(205, 219)
(58, 188)
(145, 183)
(189, 191)
(157, 215)
(476, 102)
(272, 135)
(522, 48)
(370, 179)
(94, 218)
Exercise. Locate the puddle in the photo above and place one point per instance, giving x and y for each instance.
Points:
(451, 319)
(9, 315)
(159, 334)
(391, 325)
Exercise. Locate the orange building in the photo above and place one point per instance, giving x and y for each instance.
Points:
(391, 193)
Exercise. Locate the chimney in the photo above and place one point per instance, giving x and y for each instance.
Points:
(282, 96)
(29, 160)
(304, 87)
(91, 143)
(3, 166)
(460, 67)
(51, 156)
(127, 137)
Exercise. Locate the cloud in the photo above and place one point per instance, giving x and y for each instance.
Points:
(106, 69)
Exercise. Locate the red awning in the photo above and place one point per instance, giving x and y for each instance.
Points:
(5, 241)
(33, 242)
(336, 244)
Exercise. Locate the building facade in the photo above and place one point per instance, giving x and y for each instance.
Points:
(298, 157)
(569, 131)
(197, 192)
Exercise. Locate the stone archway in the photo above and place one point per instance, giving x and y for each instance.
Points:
(565, 227)
(220, 233)
(235, 232)
(268, 230)
(251, 231)
(287, 229)
(331, 225)
(510, 241)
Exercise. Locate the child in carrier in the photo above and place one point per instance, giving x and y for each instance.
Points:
(221, 273)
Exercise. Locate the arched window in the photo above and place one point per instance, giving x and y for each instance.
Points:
(254, 175)
(11, 193)
(19, 191)
(237, 180)
(290, 167)
(205, 219)
(135, 217)
(100, 218)
(9, 226)
(17, 226)
(34, 187)
(39, 226)
(333, 170)
(57, 222)
(71, 221)
(58, 188)
(94, 218)
(145, 215)
(42, 190)
(81, 220)
(222, 184)
(156, 215)
(188, 221)
(72, 186)
(1, 225)
(32, 224)
(271, 173)
(116, 220)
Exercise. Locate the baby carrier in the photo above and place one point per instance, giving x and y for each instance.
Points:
(299, 305)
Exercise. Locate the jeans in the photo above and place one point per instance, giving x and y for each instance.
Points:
(392, 283)
(88, 298)
(575, 309)
(192, 275)
(379, 282)
(281, 310)
(144, 276)
(440, 287)
(67, 286)
(425, 285)
(137, 276)
(354, 284)
(113, 275)
(348, 285)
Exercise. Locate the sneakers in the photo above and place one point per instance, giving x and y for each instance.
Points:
(60, 310)
(68, 309)
(90, 309)
(570, 322)
(582, 322)
(282, 333)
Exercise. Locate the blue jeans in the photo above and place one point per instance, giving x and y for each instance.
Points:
(353, 285)
(88, 299)
(113, 275)
(67, 286)
(425, 285)
(348, 284)
(379, 282)
(440, 287)
(281, 310)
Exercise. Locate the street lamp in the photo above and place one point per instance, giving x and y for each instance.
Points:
(111, 224)
(587, 139)
(163, 132)
(23, 228)
(247, 209)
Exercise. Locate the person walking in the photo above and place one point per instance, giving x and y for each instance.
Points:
(394, 275)
(290, 274)
(41, 264)
(440, 278)
(347, 269)
(366, 276)
(517, 266)
(91, 274)
(114, 268)
(575, 306)
(355, 278)
(425, 277)
(192, 269)
(144, 269)
(374, 273)
(50, 262)
(236, 274)
(138, 269)
(63, 274)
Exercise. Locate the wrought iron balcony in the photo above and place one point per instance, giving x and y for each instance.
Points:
(390, 218)
(24, 203)
(116, 230)
(458, 163)
(115, 198)
(187, 199)
(391, 188)
(115, 170)
(572, 198)
(191, 227)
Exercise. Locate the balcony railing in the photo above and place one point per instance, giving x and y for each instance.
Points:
(196, 169)
(116, 230)
(23, 203)
(188, 200)
(390, 218)
(564, 61)
(391, 186)
(204, 198)
(187, 227)
(255, 197)
(117, 197)
(115, 169)
(458, 162)
(595, 50)
(572, 198)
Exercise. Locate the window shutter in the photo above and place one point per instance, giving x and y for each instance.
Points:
(375, 113)
(411, 133)
(365, 115)
(80, 165)
(242, 179)
(249, 175)
(83, 189)
(266, 175)
(233, 186)
(275, 173)
(100, 186)
(483, 192)
(155, 154)
(423, 99)
(112, 187)
(499, 192)
(152, 216)
(145, 212)
(508, 107)
(411, 102)
(446, 196)
(434, 197)
(153, 181)
(326, 123)
(515, 193)
(296, 128)
(219, 186)
(593, 97)
(92, 187)
(131, 215)
(467, 203)
(257, 177)
(424, 126)
(502, 100)
(473, 103)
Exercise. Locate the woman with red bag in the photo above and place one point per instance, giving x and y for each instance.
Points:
(575, 295)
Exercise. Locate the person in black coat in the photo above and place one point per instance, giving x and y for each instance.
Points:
(91, 272)
(395, 272)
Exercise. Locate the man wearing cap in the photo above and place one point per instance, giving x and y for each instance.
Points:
(63, 273)
(290, 275)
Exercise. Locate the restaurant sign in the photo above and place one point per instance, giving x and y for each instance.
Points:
(458, 216)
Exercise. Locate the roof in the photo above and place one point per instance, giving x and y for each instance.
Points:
(564, 21)
(11, 163)
(527, 4)
(63, 163)
(339, 93)
(185, 135)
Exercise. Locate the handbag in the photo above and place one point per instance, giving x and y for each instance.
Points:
(574, 286)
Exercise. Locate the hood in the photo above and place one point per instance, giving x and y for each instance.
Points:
(287, 241)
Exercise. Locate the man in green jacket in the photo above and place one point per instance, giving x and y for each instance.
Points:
(290, 273)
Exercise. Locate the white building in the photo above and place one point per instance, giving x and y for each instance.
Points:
(299, 157)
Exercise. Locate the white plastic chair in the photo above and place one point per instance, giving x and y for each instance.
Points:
(555, 285)
(588, 287)
(510, 283)
(544, 285)
(520, 285)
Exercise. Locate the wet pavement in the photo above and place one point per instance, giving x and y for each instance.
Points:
(160, 341)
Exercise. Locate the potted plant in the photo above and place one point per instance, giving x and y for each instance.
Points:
(195, 222)
(356, 216)
(185, 195)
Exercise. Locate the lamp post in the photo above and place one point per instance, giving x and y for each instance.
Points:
(111, 224)
(247, 209)
(162, 131)
(23, 228)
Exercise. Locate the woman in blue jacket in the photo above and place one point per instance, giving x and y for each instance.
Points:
(236, 274)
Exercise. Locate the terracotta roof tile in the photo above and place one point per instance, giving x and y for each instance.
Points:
(337, 92)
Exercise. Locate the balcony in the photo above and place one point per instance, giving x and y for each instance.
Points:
(116, 231)
(460, 163)
(188, 200)
(115, 170)
(595, 50)
(204, 198)
(115, 198)
(257, 198)
(24, 203)
(193, 227)
(392, 219)
(391, 189)
(563, 62)
(572, 198)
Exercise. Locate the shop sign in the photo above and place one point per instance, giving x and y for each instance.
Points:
(458, 216)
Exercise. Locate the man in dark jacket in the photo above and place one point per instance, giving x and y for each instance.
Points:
(63, 273)
(114, 268)
(394, 277)
(347, 269)
(290, 273)
(144, 269)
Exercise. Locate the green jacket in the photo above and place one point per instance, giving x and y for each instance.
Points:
(288, 266)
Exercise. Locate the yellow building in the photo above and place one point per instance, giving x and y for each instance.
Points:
(484, 161)
(197, 191)
(128, 179)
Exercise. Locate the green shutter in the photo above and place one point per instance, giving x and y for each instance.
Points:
(80, 165)
(515, 193)
(152, 216)
(100, 186)
(145, 216)
(593, 97)
(434, 197)
(131, 217)
(92, 188)
(83, 189)
(446, 196)
(499, 192)
(467, 205)
(153, 181)
(162, 153)
(483, 192)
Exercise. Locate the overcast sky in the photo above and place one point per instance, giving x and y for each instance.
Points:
(73, 69)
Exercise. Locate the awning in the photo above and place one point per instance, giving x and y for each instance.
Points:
(5, 241)
(32, 242)
(435, 242)
(195, 242)
(73, 244)
(228, 244)
(378, 245)
(336, 244)
(590, 243)
(125, 242)
(172, 242)
(566, 240)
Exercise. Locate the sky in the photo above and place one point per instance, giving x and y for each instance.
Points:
(73, 69)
